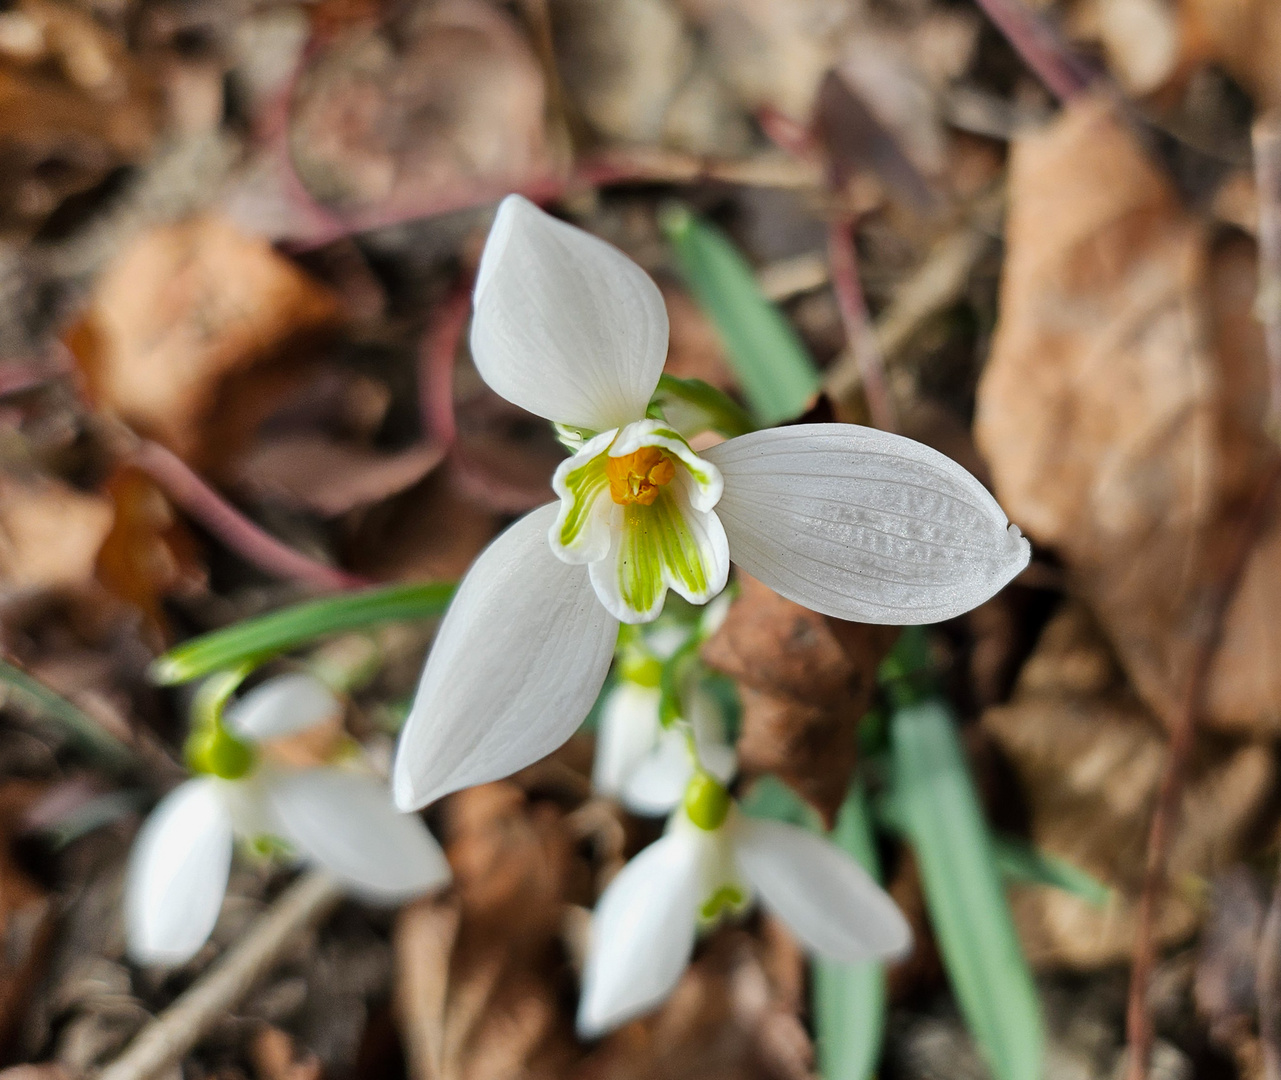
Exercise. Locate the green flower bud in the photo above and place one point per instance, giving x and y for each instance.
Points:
(706, 801)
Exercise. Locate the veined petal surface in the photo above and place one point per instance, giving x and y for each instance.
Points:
(517, 663)
(346, 823)
(864, 525)
(282, 706)
(177, 874)
(826, 899)
(642, 934)
(565, 325)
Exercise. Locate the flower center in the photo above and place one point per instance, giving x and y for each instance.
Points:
(636, 478)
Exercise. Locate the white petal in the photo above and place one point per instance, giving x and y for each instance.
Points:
(518, 661)
(642, 934)
(565, 325)
(178, 874)
(282, 706)
(629, 728)
(347, 824)
(708, 722)
(657, 784)
(827, 900)
(863, 525)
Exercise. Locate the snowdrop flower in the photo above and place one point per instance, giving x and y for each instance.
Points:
(712, 861)
(340, 820)
(848, 521)
(647, 766)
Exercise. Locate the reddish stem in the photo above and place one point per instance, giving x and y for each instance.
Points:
(1039, 46)
(1209, 625)
(436, 356)
(255, 546)
(859, 335)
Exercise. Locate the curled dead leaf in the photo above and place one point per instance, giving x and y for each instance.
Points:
(178, 312)
(50, 534)
(806, 680)
(1090, 757)
(1121, 411)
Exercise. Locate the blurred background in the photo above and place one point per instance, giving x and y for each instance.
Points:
(236, 247)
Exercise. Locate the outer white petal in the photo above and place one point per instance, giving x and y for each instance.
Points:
(642, 934)
(518, 661)
(628, 730)
(282, 706)
(863, 525)
(347, 824)
(708, 722)
(565, 325)
(827, 900)
(177, 874)
(657, 784)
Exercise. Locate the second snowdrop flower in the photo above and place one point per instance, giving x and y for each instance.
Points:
(712, 861)
(848, 521)
(335, 818)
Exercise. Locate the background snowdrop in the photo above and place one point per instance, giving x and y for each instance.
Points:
(644, 759)
(852, 522)
(712, 862)
(336, 818)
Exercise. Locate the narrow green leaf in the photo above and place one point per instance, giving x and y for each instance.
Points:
(777, 375)
(262, 637)
(963, 888)
(849, 999)
(1023, 863)
(88, 735)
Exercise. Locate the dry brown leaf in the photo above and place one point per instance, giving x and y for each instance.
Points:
(1090, 758)
(73, 107)
(35, 1072)
(449, 97)
(806, 681)
(50, 534)
(477, 983)
(1243, 35)
(733, 1016)
(275, 1057)
(1121, 411)
(179, 311)
(149, 553)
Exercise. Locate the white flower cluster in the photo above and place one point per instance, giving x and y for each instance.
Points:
(848, 521)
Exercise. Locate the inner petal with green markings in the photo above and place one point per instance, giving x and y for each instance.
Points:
(637, 506)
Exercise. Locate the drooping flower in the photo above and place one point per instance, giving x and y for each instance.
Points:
(714, 861)
(647, 766)
(849, 521)
(336, 818)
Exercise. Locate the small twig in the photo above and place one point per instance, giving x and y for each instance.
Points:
(436, 356)
(1267, 986)
(222, 519)
(1039, 46)
(1266, 136)
(1208, 630)
(165, 1040)
(859, 337)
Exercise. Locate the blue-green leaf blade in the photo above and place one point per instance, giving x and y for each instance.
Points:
(266, 635)
(850, 999)
(777, 375)
(963, 889)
